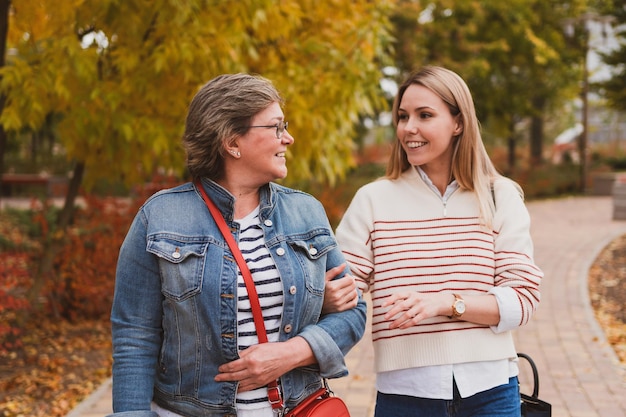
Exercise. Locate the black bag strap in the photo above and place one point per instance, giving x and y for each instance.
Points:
(535, 373)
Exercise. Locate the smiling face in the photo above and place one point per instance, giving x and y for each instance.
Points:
(426, 131)
(262, 155)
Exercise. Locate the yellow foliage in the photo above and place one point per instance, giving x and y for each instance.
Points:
(121, 74)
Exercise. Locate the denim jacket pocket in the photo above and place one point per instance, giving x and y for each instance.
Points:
(311, 251)
(181, 264)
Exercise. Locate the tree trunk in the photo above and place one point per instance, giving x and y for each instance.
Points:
(536, 140)
(511, 144)
(511, 147)
(66, 215)
(536, 132)
(4, 29)
(45, 266)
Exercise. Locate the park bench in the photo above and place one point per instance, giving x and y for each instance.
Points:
(28, 185)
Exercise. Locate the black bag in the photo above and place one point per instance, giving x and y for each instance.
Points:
(532, 406)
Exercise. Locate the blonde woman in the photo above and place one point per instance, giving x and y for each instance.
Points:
(443, 245)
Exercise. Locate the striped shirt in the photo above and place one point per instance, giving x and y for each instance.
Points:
(270, 291)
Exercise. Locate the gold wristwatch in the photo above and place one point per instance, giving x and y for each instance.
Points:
(458, 307)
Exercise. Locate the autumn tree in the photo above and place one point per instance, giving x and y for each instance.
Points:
(121, 73)
(4, 28)
(511, 54)
(615, 88)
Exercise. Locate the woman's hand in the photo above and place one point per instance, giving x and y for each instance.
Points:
(411, 307)
(339, 294)
(260, 364)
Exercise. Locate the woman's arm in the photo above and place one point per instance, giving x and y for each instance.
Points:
(323, 344)
(411, 307)
(135, 322)
(517, 277)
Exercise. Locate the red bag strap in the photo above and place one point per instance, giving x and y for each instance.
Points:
(273, 391)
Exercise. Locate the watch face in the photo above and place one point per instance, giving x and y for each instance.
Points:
(459, 306)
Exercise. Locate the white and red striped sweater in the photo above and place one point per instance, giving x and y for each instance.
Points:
(399, 235)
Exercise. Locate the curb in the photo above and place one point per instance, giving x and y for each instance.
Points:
(83, 407)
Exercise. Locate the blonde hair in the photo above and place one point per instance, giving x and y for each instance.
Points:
(471, 166)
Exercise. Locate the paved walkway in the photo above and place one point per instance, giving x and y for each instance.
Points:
(580, 374)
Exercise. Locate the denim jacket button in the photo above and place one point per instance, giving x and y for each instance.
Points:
(288, 328)
(268, 223)
(176, 254)
(313, 251)
(292, 290)
(280, 251)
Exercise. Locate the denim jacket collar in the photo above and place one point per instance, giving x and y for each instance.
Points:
(225, 201)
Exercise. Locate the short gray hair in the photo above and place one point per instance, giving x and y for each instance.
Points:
(219, 113)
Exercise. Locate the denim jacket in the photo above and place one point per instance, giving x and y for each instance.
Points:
(174, 315)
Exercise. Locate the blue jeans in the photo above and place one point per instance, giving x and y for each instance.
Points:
(501, 401)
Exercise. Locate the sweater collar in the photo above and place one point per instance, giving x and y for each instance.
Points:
(452, 187)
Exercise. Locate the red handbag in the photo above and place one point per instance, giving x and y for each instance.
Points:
(319, 404)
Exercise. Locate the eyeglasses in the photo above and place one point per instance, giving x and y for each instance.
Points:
(280, 128)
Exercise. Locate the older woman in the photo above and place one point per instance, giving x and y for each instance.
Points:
(184, 342)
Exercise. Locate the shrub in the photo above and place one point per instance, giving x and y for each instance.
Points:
(617, 163)
(13, 302)
(549, 180)
(84, 267)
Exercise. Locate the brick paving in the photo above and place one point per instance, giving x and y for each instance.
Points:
(579, 372)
